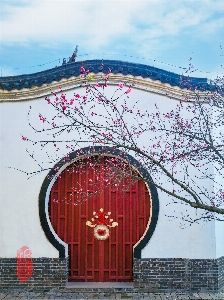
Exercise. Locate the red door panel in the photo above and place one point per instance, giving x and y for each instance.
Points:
(91, 259)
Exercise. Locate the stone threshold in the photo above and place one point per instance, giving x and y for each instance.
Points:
(100, 285)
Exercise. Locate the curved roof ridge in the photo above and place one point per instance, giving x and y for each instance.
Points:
(98, 65)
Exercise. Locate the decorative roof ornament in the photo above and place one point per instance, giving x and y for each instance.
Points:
(101, 224)
(74, 55)
(72, 58)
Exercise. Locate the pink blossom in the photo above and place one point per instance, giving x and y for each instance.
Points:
(128, 91)
(77, 96)
(24, 138)
(42, 118)
(82, 69)
(187, 124)
(121, 85)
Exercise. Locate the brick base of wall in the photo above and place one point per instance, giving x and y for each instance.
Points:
(47, 273)
(220, 262)
(150, 274)
(164, 275)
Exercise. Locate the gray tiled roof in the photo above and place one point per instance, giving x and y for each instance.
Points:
(73, 69)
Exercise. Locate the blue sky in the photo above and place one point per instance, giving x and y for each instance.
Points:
(36, 35)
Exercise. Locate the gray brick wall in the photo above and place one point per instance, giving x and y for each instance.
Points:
(221, 272)
(47, 273)
(177, 274)
(150, 274)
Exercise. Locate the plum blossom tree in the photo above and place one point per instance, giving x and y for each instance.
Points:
(183, 149)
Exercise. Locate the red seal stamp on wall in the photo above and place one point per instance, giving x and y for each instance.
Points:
(24, 263)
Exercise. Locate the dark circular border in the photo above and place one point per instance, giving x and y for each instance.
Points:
(89, 151)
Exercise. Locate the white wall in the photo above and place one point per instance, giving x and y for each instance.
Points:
(218, 134)
(19, 217)
(171, 241)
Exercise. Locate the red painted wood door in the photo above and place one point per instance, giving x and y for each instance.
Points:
(91, 259)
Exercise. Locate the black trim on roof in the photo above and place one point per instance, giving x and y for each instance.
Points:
(68, 70)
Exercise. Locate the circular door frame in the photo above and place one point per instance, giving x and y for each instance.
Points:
(52, 176)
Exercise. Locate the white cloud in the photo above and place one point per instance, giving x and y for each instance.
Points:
(100, 21)
(99, 24)
(93, 21)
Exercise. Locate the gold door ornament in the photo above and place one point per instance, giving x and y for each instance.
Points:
(101, 223)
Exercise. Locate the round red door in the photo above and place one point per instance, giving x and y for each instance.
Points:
(85, 188)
